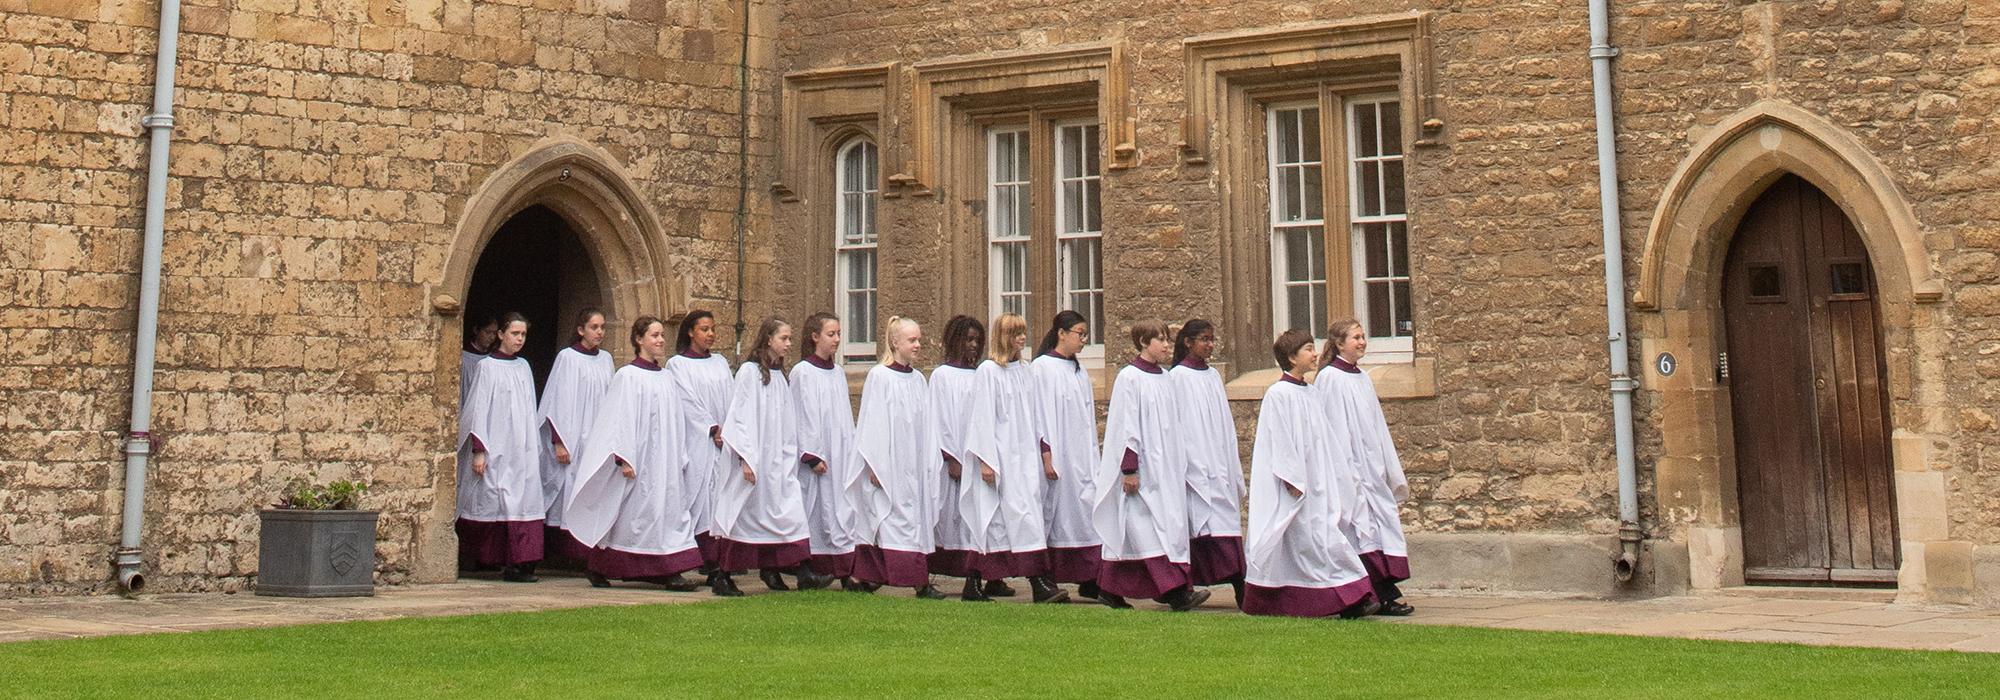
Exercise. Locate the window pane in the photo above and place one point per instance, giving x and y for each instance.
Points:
(1311, 191)
(1309, 135)
(1287, 136)
(1316, 252)
(1375, 250)
(1022, 216)
(1364, 132)
(1371, 189)
(1392, 187)
(1379, 318)
(1392, 128)
(1298, 254)
(1404, 326)
(1399, 240)
(868, 219)
(1298, 303)
(1072, 192)
(1289, 186)
(1093, 151)
(1093, 206)
(1017, 267)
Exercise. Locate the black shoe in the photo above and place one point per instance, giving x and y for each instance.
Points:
(515, 574)
(972, 594)
(1113, 601)
(1360, 610)
(724, 586)
(1088, 591)
(1238, 585)
(1396, 608)
(1047, 592)
(597, 580)
(808, 580)
(1186, 599)
(930, 592)
(773, 580)
(857, 586)
(679, 584)
(998, 588)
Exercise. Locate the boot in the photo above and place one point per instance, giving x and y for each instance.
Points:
(724, 586)
(773, 580)
(1237, 584)
(1088, 591)
(1185, 598)
(518, 574)
(809, 580)
(998, 588)
(857, 586)
(1396, 608)
(1047, 591)
(679, 584)
(597, 580)
(1366, 607)
(1113, 601)
(972, 594)
(930, 592)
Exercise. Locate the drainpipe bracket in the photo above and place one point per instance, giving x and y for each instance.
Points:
(158, 121)
(1604, 51)
(1624, 385)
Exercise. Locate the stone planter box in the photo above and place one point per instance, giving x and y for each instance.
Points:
(316, 553)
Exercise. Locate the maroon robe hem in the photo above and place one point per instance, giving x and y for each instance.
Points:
(1151, 577)
(835, 565)
(1300, 601)
(891, 567)
(1214, 559)
(732, 555)
(1386, 567)
(500, 542)
(950, 562)
(619, 564)
(1074, 564)
(1009, 564)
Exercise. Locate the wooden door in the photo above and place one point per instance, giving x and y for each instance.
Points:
(1809, 398)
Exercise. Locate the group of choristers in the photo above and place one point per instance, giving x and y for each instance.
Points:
(988, 469)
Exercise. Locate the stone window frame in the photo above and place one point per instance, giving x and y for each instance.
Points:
(822, 111)
(955, 101)
(1232, 77)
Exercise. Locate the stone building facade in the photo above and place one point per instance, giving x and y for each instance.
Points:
(340, 168)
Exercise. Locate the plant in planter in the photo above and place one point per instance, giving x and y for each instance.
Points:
(316, 543)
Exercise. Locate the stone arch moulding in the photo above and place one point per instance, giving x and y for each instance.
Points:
(592, 192)
(1734, 161)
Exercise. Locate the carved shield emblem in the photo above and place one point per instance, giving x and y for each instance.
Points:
(342, 558)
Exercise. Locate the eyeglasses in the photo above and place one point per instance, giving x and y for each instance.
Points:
(1072, 330)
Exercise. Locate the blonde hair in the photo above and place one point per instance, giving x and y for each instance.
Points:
(888, 352)
(1005, 327)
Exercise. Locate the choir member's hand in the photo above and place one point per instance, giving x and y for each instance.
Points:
(748, 475)
(819, 468)
(873, 480)
(1131, 484)
(562, 454)
(1294, 490)
(626, 470)
(986, 473)
(479, 463)
(1049, 467)
(715, 434)
(951, 467)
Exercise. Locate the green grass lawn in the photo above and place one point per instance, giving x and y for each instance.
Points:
(833, 644)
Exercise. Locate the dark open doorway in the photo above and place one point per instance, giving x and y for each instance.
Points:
(536, 265)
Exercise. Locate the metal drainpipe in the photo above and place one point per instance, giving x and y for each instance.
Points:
(139, 442)
(1622, 384)
(742, 166)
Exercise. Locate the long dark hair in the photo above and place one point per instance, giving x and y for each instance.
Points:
(1063, 321)
(762, 354)
(957, 332)
(1184, 340)
(813, 325)
(582, 319)
(683, 336)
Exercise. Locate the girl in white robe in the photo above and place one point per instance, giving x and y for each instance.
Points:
(1004, 438)
(895, 457)
(476, 348)
(760, 516)
(1141, 505)
(1300, 561)
(499, 481)
(826, 435)
(570, 399)
(1207, 432)
(954, 388)
(1067, 409)
(626, 502)
(704, 380)
(1355, 410)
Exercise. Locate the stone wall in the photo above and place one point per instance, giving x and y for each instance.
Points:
(324, 157)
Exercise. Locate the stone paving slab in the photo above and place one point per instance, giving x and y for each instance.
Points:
(1830, 620)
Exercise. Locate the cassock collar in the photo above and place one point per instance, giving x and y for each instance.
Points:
(1287, 377)
(954, 363)
(469, 348)
(692, 355)
(1192, 362)
(579, 348)
(1343, 365)
(815, 360)
(900, 367)
(645, 364)
(497, 355)
(1146, 366)
(1052, 353)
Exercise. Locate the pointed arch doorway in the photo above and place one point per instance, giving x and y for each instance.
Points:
(1808, 388)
